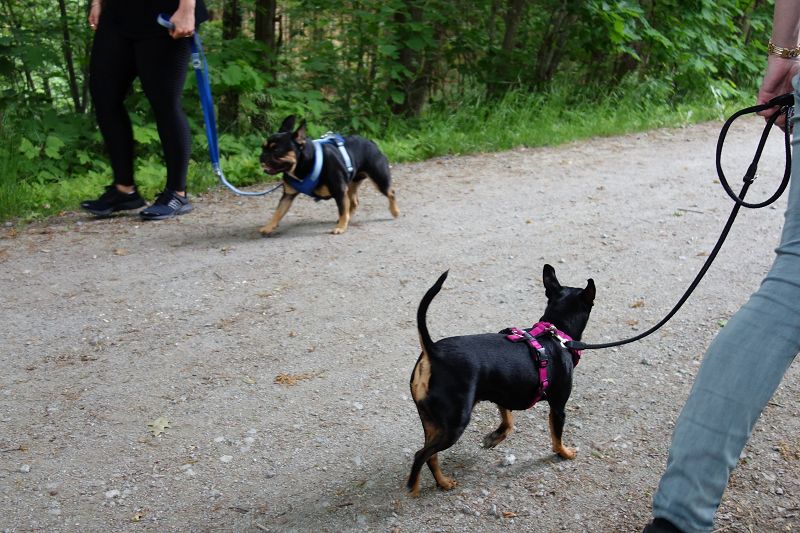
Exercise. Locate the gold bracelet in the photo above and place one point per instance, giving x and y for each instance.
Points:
(786, 53)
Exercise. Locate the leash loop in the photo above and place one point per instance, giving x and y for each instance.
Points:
(200, 66)
(784, 104)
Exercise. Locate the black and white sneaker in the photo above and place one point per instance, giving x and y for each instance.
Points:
(167, 205)
(113, 200)
(660, 525)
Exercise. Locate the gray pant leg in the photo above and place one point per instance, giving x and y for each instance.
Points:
(740, 372)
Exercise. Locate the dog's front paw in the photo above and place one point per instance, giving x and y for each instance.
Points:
(565, 453)
(267, 230)
(338, 230)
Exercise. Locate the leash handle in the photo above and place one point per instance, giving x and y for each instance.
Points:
(163, 20)
(784, 103)
(200, 66)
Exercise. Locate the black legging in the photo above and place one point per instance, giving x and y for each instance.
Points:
(160, 64)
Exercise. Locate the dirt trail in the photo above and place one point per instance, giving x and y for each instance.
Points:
(281, 364)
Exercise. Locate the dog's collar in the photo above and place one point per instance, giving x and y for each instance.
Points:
(540, 357)
(309, 183)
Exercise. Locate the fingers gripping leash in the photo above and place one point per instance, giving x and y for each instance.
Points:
(784, 104)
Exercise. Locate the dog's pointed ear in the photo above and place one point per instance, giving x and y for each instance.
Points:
(288, 124)
(300, 134)
(589, 292)
(551, 284)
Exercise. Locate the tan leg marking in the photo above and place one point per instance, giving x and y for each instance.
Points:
(558, 446)
(503, 430)
(352, 193)
(322, 191)
(283, 207)
(344, 217)
(430, 433)
(393, 204)
(420, 379)
(414, 492)
(443, 481)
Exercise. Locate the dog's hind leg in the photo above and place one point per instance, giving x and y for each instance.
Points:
(429, 454)
(446, 483)
(352, 193)
(382, 178)
(436, 440)
(503, 430)
(557, 417)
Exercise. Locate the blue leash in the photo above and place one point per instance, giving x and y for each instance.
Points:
(206, 101)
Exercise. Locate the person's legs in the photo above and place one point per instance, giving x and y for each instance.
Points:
(162, 64)
(111, 73)
(112, 69)
(741, 370)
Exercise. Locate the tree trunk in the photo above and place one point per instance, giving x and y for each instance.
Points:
(229, 100)
(265, 18)
(12, 19)
(66, 47)
(515, 12)
(414, 86)
(562, 20)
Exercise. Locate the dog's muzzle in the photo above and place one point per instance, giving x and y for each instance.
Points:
(273, 168)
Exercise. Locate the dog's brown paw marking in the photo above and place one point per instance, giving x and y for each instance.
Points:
(266, 230)
(566, 453)
(446, 483)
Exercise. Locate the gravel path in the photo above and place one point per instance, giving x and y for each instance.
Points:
(190, 375)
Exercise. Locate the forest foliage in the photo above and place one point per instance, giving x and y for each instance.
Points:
(373, 67)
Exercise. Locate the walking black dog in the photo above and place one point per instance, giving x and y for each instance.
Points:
(455, 373)
(296, 156)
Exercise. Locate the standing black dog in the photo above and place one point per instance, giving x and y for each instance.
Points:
(455, 373)
(294, 154)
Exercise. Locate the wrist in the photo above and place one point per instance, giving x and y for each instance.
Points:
(783, 52)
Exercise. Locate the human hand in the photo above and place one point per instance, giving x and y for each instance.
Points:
(94, 14)
(777, 81)
(183, 20)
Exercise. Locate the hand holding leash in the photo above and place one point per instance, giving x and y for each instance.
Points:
(180, 24)
(783, 103)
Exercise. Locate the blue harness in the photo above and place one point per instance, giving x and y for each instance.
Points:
(310, 182)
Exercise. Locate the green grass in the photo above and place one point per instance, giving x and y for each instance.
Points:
(471, 126)
(543, 120)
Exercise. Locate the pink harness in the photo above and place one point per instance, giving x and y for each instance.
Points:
(540, 357)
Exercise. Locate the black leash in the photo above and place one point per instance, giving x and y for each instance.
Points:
(784, 103)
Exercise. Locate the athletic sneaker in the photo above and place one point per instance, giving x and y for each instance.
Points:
(167, 205)
(660, 525)
(113, 200)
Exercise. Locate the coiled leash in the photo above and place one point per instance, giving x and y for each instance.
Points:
(206, 101)
(784, 103)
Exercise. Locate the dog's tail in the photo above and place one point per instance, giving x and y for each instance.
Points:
(422, 326)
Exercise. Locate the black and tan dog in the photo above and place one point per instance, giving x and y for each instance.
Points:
(293, 154)
(455, 373)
